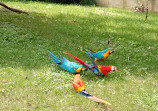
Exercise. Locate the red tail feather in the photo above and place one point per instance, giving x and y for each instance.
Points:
(80, 61)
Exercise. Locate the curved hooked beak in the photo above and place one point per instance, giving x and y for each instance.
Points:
(111, 51)
(113, 68)
(84, 69)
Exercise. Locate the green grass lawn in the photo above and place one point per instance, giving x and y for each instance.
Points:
(30, 81)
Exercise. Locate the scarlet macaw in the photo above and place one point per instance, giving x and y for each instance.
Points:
(98, 70)
(80, 88)
(71, 67)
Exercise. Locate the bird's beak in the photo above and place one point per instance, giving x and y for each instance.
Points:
(84, 69)
(113, 68)
(111, 51)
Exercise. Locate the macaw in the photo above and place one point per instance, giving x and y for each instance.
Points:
(100, 55)
(80, 88)
(99, 70)
(71, 67)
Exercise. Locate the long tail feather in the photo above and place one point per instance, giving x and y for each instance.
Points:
(84, 93)
(99, 100)
(85, 52)
(54, 58)
(80, 61)
(80, 88)
(95, 65)
(90, 53)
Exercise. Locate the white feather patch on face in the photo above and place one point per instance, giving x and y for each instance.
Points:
(113, 68)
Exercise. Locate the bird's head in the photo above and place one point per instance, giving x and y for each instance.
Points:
(111, 51)
(79, 69)
(113, 67)
(106, 69)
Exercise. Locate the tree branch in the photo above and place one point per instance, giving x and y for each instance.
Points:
(12, 9)
(146, 17)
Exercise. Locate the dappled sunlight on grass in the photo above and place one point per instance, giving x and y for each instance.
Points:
(31, 85)
(29, 80)
(41, 88)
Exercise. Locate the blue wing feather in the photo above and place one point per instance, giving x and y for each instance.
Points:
(54, 58)
(90, 53)
(65, 64)
(63, 59)
(93, 62)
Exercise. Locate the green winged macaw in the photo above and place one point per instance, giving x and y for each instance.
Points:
(99, 70)
(100, 55)
(80, 88)
(65, 64)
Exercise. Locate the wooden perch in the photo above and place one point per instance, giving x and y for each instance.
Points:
(12, 9)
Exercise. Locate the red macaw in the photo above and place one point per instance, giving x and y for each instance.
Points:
(97, 69)
(80, 88)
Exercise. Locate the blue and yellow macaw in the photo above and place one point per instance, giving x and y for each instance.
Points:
(100, 55)
(99, 70)
(65, 64)
(80, 88)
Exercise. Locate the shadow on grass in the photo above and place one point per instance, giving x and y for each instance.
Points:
(36, 33)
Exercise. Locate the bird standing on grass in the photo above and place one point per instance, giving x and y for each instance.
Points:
(100, 55)
(71, 67)
(99, 70)
(80, 88)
